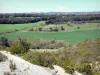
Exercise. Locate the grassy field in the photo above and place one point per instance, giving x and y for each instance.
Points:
(73, 26)
(71, 37)
(12, 27)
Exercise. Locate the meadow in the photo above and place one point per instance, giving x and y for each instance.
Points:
(72, 26)
(13, 27)
(71, 37)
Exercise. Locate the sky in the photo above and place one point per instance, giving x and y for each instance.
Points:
(20, 6)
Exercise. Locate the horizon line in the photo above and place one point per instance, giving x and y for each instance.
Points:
(53, 12)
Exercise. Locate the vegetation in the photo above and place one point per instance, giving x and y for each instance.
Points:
(4, 42)
(19, 46)
(2, 58)
(45, 59)
(82, 32)
(12, 66)
(19, 18)
(69, 26)
(71, 37)
(78, 27)
(47, 44)
(8, 28)
(82, 58)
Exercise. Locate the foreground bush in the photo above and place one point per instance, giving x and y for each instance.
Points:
(45, 59)
(85, 67)
(80, 57)
(2, 58)
(19, 46)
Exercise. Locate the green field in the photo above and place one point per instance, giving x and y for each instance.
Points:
(12, 27)
(71, 37)
(73, 26)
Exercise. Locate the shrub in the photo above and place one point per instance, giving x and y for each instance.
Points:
(35, 29)
(45, 59)
(62, 28)
(19, 46)
(51, 29)
(69, 25)
(40, 28)
(4, 42)
(2, 58)
(70, 58)
(56, 29)
(12, 66)
(78, 27)
(47, 44)
(85, 67)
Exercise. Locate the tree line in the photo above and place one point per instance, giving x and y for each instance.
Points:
(18, 18)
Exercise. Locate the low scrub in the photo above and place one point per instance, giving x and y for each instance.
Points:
(48, 28)
(80, 57)
(45, 59)
(19, 46)
(2, 58)
(47, 44)
(12, 66)
(4, 42)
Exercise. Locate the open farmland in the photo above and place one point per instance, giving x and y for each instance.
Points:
(13, 27)
(71, 37)
(72, 26)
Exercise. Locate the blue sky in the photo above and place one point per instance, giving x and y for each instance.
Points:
(14, 6)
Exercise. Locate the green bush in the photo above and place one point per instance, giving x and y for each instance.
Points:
(47, 44)
(85, 67)
(40, 28)
(45, 59)
(78, 27)
(19, 46)
(62, 28)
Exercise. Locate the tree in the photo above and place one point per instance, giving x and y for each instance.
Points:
(62, 28)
